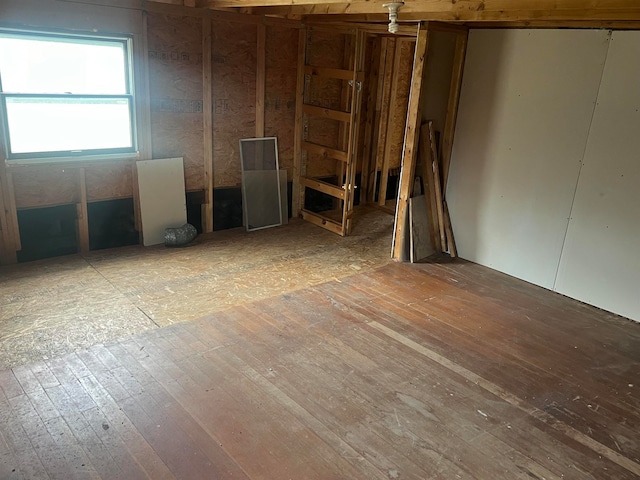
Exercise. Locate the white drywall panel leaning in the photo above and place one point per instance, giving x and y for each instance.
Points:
(600, 262)
(526, 103)
(162, 197)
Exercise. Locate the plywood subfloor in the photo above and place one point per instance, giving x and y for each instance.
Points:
(60, 305)
(423, 371)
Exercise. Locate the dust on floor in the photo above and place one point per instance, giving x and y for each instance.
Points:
(57, 306)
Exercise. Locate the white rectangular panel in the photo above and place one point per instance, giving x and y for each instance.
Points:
(162, 197)
(526, 104)
(601, 259)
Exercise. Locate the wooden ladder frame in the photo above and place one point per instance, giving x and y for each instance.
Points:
(349, 132)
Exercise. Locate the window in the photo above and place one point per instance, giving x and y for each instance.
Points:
(65, 96)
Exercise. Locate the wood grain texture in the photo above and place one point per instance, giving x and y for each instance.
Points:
(410, 146)
(45, 185)
(234, 97)
(176, 92)
(207, 124)
(434, 370)
(446, 10)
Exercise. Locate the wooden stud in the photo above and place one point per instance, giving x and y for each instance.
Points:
(376, 150)
(144, 122)
(452, 106)
(427, 178)
(82, 213)
(324, 187)
(136, 201)
(453, 251)
(367, 155)
(298, 189)
(358, 59)
(207, 123)
(13, 212)
(340, 73)
(388, 124)
(438, 186)
(326, 152)
(322, 221)
(7, 240)
(347, 92)
(327, 113)
(409, 150)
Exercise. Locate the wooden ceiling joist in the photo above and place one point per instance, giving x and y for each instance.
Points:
(448, 10)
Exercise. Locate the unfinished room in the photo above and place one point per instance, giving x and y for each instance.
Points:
(296, 239)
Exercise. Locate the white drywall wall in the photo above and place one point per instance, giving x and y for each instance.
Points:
(162, 197)
(526, 104)
(601, 259)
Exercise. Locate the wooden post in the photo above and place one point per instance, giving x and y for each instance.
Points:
(144, 119)
(453, 250)
(13, 213)
(430, 196)
(410, 145)
(207, 123)
(298, 189)
(379, 124)
(82, 213)
(7, 240)
(352, 141)
(438, 187)
(367, 159)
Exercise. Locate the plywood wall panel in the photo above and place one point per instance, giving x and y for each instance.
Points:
(234, 97)
(280, 91)
(325, 48)
(401, 100)
(175, 87)
(45, 185)
(107, 182)
(600, 261)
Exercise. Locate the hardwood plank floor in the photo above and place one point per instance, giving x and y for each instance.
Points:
(441, 370)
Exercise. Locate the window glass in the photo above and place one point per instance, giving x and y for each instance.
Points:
(65, 95)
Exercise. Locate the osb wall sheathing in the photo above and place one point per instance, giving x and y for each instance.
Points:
(234, 97)
(324, 49)
(175, 90)
(106, 182)
(45, 185)
(401, 100)
(280, 91)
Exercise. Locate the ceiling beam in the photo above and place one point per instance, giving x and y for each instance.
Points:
(450, 10)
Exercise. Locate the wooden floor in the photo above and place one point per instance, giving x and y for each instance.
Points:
(60, 305)
(427, 371)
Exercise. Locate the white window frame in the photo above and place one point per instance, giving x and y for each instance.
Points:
(73, 155)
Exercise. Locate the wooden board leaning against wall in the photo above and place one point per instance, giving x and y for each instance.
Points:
(175, 88)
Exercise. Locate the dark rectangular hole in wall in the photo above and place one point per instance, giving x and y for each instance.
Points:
(112, 224)
(392, 187)
(47, 232)
(227, 208)
(195, 201)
